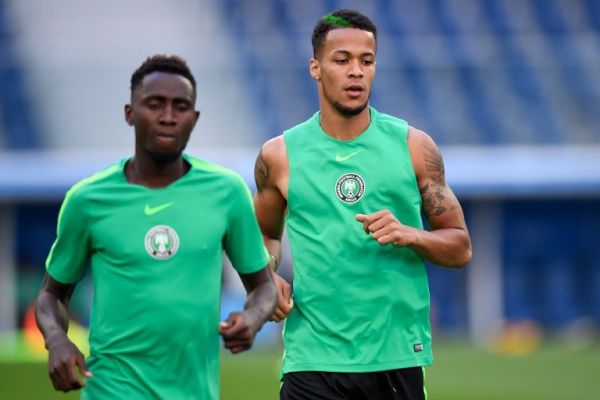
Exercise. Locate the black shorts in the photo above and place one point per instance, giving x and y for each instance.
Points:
(396, 384)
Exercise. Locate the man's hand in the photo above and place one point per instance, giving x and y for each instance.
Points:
(63, 362)
(285, 302)
(386, 229)
(240, 328)
(239, 331)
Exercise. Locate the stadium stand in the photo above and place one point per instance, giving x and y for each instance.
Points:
(467, 71)
(18, 128)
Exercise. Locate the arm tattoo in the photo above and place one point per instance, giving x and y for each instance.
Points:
(432, 193)
(432, 198)
(433, 159)
(261, 171)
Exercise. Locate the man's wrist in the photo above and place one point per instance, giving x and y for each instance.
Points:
(416, 240)
(55, 340)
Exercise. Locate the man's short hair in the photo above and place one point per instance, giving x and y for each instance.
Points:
(162, 63)
(342, 18)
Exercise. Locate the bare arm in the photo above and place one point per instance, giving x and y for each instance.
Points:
(269, 201)
(53, 321)
(262, 296)
(448, 243)
(271, 174)
(240, 329)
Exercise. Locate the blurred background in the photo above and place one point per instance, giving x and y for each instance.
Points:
(509, 89)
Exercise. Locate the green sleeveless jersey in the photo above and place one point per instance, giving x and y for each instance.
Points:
(156, 261)
(358, 306)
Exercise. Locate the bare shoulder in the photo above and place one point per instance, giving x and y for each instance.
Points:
(273, 150)
(271, 163)
(425, 154)
(416, 135)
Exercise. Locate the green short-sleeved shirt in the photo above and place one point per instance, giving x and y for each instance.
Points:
(156, 263)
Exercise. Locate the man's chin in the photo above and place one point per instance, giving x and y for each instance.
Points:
(165, 157)
(348, 111)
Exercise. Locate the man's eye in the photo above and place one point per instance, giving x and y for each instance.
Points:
(341, 61)
(367, 62)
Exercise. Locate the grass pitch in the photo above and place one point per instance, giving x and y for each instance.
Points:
(460, 372)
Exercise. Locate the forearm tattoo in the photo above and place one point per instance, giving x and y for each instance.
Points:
(261, 171)
(432, 193)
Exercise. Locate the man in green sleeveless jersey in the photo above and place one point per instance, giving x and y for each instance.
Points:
(353, 184)
(153, 228)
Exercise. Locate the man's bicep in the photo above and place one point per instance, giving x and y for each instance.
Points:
(437, 198)
(441, 207)
(270, 172)
(438, 202)
(263, 170)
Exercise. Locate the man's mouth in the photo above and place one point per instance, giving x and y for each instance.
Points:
(165, 136)
(354, 90)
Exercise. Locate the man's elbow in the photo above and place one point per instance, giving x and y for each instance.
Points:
(459, 255)
(462, 257)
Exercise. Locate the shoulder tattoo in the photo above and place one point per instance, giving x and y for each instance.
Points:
(261, 171)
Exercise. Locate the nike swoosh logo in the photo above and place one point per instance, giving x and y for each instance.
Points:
(153, 210)
(344, 158)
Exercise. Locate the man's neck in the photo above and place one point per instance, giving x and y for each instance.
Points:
(147, 172)
(342, 127)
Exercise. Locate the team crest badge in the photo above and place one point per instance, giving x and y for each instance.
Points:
(162, 242)
(350, 188)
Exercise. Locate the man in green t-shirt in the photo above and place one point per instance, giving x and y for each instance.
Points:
(153, 228)
(352, 185)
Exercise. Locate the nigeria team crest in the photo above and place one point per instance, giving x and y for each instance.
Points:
(350, 188)
(162, 242)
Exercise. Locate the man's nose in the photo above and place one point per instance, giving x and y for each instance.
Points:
(356, 69)
(168, 115)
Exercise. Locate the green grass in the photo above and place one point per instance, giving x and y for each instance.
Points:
(459, 373)
(250, 376)
(551, 373)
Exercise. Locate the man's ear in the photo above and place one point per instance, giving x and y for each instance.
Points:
(314, 68)
(129, 114)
